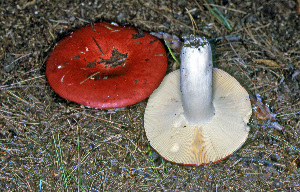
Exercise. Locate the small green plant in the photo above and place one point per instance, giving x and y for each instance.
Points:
(172, 54)
(58, 156)
(165, 165)
(216, 13)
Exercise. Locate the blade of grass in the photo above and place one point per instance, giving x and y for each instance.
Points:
(58, 158)
(40, 181)
(78, 169)
(66, 173)
(152, 163)
(90, 182)
(172, 54)
(283, 140)
(58, 154)
(216, 13)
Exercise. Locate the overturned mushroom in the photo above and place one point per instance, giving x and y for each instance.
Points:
(199, 114)
(106, 66)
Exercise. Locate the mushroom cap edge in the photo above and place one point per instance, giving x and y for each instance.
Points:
(177, 141)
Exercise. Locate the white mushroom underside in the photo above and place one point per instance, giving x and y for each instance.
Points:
(176, 140)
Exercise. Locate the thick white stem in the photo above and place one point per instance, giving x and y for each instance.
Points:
(196, 80)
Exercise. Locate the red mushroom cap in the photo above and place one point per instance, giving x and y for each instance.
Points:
(106, 66)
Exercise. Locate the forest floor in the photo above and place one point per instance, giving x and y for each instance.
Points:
(50, 144)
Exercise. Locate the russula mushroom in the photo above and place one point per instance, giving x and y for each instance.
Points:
(106, 66)
(199, 114)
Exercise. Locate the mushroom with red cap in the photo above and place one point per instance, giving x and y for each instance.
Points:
(198, 114)
(106, 66)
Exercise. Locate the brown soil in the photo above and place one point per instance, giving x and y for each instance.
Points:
(263, 54)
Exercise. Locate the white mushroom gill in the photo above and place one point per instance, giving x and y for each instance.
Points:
(198, 114)
(196, 80)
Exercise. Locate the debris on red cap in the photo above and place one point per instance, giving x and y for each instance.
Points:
(106, 66)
